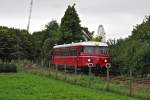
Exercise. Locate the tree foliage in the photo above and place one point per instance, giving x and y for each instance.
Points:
(45, 40)
(14, 44)
(97, 39)
(134, 51)
(70, 26)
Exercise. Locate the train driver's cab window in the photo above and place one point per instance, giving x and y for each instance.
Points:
(101, 50)
(98, 50)
(89, 50)
(105, 50)
(95, 50)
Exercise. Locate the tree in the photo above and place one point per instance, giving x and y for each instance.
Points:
(134, 51)
(141, 32)
(37, 38)
(15, 44)
(70, 27)
(97, 39)
(52, 32)
(53, 37)
(47, 46)
(46, 39)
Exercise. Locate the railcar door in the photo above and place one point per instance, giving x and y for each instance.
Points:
(73, 56)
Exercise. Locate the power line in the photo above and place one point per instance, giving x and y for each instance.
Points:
(30, 12)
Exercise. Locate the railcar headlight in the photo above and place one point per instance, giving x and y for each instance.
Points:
(105, 60)
(89, 60)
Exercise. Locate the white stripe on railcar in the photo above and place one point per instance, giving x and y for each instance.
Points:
(89, 43)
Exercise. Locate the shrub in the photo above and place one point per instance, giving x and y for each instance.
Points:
(7, 68)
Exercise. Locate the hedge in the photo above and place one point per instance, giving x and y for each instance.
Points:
(7, 68)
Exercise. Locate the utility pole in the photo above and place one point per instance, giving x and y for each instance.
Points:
(30, 12)
(29, 19)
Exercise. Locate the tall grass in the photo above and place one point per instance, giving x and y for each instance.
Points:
(90, 81)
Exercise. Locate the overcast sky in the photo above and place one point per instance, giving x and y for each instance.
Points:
(117, 16)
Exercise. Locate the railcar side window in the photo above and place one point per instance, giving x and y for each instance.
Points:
(73, 52)
(101, 50)
(67, 52)
(85, 50)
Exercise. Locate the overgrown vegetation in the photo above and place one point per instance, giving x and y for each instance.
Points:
(133, 53)
(7, 68)
(15, 44)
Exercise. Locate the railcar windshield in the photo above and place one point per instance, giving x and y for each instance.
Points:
(95, 50)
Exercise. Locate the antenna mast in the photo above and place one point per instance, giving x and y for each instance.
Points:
(30, 12)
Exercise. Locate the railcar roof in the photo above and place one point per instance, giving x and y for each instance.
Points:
(89, 43)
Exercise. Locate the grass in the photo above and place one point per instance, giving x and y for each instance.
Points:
(97, 83)
(26, 86)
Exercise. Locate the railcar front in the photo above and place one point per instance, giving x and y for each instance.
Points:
(94, 56)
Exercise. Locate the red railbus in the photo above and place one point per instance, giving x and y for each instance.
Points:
(81, 55)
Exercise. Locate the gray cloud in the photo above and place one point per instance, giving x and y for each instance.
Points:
(117, 16)
(109, 6)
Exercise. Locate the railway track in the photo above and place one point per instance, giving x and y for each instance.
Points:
(138, 81)
(143, 81)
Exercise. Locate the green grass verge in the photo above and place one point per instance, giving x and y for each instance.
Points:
(25, 86)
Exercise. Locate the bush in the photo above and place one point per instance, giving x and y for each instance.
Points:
(7, 68)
